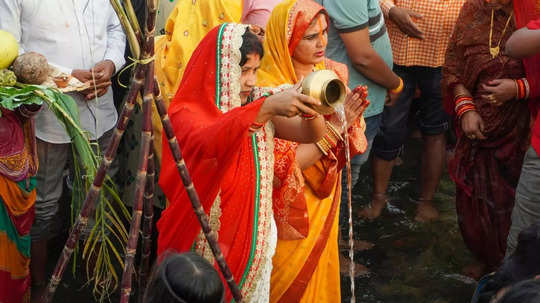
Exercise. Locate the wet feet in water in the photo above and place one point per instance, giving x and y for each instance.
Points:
(426, 212)
(359, 245)
(359, 269)
(475, 271)
(374, 209)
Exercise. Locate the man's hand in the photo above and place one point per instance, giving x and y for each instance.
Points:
(402, 17)
(473, 125)
(82, 75)
(99, 78)
(500, 91)
(103, 71)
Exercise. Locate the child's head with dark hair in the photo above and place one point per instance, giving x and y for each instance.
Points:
(251, 44)
(523, 264)
(527, 291)
(184, 278)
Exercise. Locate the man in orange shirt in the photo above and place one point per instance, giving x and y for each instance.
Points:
(419, 31)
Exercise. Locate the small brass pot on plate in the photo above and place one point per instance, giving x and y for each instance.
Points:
(325, 86)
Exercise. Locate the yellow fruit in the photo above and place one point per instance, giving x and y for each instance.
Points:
(9, 49)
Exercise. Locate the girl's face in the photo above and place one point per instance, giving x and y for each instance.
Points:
(311, 49)
(249, 76)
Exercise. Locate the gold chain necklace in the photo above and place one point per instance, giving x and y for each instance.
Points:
(494, 51)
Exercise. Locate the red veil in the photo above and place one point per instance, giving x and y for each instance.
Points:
(223, 158)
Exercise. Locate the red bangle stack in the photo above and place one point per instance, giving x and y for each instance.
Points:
(522, 87)
(463, 105)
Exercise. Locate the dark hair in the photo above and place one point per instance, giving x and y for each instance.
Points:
(523, 292)
(185, 278)
(523, 264)
(250, 45)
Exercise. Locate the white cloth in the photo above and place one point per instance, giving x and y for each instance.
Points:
(74, 34)
(262, 290)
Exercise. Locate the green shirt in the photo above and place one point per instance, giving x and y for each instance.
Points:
(349, 16)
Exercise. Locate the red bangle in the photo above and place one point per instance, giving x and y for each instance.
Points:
(307, 116)
(461, 99)
(521, 89)
(464, 109)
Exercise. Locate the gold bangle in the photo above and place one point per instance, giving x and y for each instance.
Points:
(399, 88)
(333, 131)
(323, 150)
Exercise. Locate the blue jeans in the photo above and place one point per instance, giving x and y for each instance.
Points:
(372, 128)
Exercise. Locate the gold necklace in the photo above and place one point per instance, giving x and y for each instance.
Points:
(494, 51)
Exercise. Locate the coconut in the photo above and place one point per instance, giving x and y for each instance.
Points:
(31, 68)
(9, 49)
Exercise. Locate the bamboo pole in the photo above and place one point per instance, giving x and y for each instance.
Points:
(210, 235)
(148, 219)
(93, 193)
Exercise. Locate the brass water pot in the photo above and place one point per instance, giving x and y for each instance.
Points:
(325, 86)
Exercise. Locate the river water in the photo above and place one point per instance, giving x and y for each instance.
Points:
(410, 262)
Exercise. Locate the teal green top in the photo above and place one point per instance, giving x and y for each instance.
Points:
(349, 16)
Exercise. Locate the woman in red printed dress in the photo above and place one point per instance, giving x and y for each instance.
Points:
(484, 90)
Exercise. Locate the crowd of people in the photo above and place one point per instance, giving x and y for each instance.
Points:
(269, 168)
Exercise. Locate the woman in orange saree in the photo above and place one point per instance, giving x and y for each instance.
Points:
(307, 183)
(228, 148)
(18, 164)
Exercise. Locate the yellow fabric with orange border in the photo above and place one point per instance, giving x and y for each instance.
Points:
(186, 26)
(306, 267)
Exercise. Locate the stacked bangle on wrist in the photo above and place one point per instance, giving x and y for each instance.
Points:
(399, 88)
(522, 89)
(463, 105)
(330, 139)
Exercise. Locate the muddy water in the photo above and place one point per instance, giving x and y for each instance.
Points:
(410, 262)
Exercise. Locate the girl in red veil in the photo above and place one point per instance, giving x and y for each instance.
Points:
(227, 145)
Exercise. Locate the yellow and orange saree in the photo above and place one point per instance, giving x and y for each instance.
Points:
(306, 203)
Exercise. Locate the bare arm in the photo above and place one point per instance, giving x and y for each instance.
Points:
(523, 43)
(298, 129)
(366, 60)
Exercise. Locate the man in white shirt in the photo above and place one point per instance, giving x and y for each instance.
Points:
(80, 37)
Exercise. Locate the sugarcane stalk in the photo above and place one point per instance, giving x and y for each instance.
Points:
(211, 236)
(148, 51)
(132, 18)
(148, 218)
(128, 29)
(93, 193)
(146, 138)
